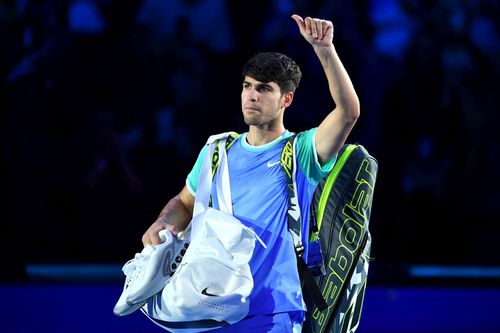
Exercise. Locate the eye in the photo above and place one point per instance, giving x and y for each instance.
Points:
(264, 89)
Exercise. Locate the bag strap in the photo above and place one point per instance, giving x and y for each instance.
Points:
(215, 156)
(288, 165)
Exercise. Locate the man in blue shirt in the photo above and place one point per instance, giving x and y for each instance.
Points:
(258, 185)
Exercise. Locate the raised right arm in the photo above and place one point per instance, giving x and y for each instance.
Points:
(175, 216)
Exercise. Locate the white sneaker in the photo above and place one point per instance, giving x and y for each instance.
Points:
(122, 307)
(149, 271)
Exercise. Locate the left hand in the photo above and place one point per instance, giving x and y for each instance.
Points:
(316, 31)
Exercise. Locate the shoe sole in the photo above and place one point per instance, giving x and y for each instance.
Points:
(127, 308)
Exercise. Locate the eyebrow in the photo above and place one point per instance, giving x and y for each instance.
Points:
(259, 84)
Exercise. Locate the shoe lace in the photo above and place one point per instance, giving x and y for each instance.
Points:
(134, 268)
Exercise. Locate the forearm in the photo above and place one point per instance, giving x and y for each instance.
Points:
(339, 83)
(175, 215)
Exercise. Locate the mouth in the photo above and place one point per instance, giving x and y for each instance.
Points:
(251, 109)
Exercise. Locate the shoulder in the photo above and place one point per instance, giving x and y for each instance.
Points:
(232, 135)
(307, 157)
(304, 140)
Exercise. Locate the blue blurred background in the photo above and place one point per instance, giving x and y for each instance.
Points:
(105, 104)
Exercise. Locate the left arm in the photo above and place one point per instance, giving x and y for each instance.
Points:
(334, 129)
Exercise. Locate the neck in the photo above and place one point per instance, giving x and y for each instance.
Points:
(259, 137)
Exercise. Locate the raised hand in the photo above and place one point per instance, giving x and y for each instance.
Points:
(316, 31)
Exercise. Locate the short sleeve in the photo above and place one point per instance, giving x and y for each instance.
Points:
(192, 178)
(308, 158)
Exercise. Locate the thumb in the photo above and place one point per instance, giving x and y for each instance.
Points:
(299, 21)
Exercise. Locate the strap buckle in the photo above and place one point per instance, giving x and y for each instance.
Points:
(299, 250)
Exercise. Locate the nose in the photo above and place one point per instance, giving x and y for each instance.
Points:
(253, 95)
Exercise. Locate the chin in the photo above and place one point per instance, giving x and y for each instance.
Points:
(250, 121)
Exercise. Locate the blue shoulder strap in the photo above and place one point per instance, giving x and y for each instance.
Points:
(289, 167)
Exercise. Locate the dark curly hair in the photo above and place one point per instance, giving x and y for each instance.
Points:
(274, 67)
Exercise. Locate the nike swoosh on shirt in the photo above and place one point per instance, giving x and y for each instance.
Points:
(271, 164)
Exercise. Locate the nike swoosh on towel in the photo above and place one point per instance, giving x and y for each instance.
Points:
(206, 293)
(271, 164)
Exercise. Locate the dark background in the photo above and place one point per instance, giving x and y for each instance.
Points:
(105, 104)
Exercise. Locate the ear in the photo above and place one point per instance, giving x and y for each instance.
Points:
(287, 99)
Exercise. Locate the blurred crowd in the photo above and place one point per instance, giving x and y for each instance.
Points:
(105, 104)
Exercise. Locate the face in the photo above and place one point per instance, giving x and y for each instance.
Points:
(261, 102)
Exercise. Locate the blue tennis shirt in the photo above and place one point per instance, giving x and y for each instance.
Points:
(260, 201)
